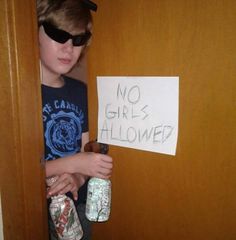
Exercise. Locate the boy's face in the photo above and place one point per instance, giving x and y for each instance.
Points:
(57, 58)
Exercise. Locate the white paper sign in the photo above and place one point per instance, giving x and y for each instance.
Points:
(139, 112)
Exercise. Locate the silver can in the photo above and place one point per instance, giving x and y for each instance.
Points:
(65, 217)
(98, 202)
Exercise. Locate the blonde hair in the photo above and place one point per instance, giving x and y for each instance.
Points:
(70, 15)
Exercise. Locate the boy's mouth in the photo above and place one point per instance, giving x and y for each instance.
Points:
(64, 60)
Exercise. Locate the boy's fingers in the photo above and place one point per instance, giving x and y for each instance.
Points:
(58, 188)
(107, 158)
(75, 195)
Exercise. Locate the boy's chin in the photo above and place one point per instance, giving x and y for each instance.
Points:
(64, 70)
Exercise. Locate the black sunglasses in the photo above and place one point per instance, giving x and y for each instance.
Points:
(91, 5)
(62, 36)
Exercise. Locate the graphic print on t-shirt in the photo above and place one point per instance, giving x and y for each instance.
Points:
(63, 130)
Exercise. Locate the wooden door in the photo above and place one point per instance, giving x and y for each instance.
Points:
(192, 195)
(22, 175)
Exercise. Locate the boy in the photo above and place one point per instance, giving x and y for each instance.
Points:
(64, 33)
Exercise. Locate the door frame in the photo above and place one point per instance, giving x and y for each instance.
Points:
(23, 193)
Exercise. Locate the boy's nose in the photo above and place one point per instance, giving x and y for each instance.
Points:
(68, 45)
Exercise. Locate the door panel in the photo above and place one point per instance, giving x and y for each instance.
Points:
(191, 195)
(22, 176)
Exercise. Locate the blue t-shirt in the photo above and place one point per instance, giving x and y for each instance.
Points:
(65, 118)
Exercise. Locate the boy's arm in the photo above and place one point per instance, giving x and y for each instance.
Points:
(67, 181)
(85, 163)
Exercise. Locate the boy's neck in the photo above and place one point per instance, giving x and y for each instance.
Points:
(56, 82)
(52, 80)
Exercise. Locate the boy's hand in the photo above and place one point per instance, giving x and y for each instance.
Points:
(93, 164)
(66, 183)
